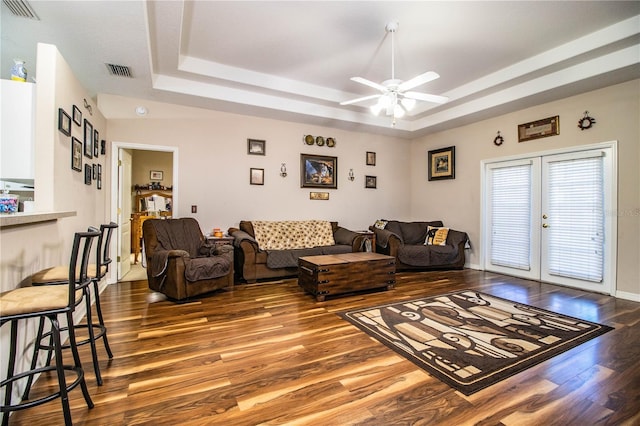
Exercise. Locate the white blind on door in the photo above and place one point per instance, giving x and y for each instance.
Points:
(576, 218)
(510, 194)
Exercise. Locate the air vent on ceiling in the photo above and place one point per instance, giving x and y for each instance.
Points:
(21, 8)
(119, 70)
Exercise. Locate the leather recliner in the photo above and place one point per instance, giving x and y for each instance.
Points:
(180, 263)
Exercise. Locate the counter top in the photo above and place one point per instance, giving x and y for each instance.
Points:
(19, 219)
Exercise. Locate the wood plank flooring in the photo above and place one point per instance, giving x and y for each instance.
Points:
(269, 354)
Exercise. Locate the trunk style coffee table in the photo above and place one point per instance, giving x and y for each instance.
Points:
(335, 274)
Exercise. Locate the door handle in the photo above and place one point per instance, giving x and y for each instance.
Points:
(544, 225)
(544, 216)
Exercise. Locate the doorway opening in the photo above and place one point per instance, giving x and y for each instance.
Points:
(138, 186)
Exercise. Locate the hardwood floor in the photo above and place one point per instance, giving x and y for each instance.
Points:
(268, 353)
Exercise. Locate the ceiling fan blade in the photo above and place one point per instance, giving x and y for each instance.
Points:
(364, 98)
(369, 83)
(426, 97)
(418, 80)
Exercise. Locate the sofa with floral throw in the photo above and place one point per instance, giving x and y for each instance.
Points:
(270, 249)
(421, 245)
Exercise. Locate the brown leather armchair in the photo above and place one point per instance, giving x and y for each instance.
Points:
(180, 263)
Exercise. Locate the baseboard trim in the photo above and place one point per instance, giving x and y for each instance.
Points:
(634, 297)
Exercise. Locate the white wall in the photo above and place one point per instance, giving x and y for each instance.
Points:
(214, 169)
(26, 249)
(457, 202)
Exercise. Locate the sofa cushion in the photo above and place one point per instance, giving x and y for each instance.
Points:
(381, 223)
(427, 256)
(289, 258)
(436, 236)
(413, 232)
(286, 235)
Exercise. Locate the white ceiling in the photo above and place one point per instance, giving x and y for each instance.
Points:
(294, 60)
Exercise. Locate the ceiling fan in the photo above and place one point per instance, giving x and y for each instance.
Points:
(396, 97)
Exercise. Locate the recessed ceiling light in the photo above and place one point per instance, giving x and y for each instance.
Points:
(141, 110)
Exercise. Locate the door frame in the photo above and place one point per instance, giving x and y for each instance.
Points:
(611, 243)
(116, 189)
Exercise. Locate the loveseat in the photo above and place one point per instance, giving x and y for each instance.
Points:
(421, 245)
(270, 249)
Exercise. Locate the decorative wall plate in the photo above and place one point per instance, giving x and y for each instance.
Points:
(319, 140)
(308, 140)
(331, 142)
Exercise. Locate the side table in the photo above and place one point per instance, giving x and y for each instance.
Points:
(370, 243)
(220, 241)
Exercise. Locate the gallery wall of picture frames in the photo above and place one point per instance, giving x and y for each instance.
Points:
(89, 147)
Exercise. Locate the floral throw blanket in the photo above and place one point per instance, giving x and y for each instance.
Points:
(292, 234)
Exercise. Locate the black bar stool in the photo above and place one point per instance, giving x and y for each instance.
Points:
(96, 271)
(48, 302)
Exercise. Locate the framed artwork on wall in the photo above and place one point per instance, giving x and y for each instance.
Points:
(64, 122)
(539, 129)
(96, 143)
(371, 158)
(76, 154)
(88, 139)
(77, 115)
(442, 163)
(318, 171)
(371, 182)
(88, 170)
(156, 175)
(256, 147)
(256, 176)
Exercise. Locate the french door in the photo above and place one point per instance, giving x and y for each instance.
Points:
(545, 218)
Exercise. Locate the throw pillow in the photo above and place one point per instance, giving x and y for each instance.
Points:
(436, 236)
(380, 224)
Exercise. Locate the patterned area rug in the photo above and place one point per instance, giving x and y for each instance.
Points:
(471, 340)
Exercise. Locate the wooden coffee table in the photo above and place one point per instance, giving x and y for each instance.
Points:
(335, 274)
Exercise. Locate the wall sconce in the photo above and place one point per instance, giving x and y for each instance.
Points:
(283, 170)
(351, 176)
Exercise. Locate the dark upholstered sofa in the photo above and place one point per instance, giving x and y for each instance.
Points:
(180, 263)
(406, 241)
(256, 258)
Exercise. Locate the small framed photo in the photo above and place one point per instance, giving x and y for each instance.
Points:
(99, 177)
(87, 174)
(77, 115)
(76, 154)
(103, 147)
(256, 176)
(96, 143)
(88, 139)
(371, 182)
(319, 196)
(442, 163)
(371, 158)
(64, 122)
(256, 147)
(156, 175)
(94, 171)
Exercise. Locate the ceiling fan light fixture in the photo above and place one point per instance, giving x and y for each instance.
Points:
(408, 104)
(376, 108)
